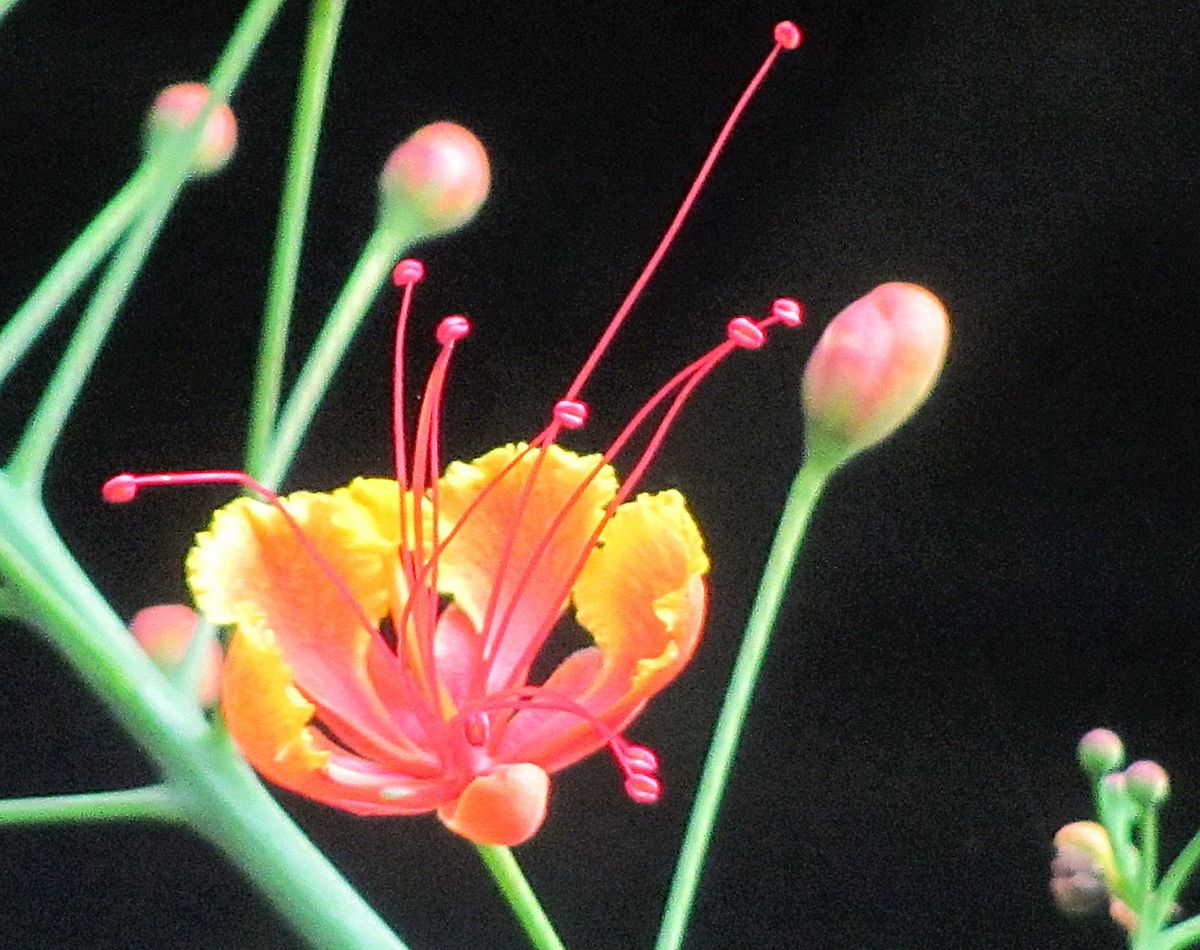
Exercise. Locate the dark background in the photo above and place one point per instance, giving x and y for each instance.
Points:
(1017, 565)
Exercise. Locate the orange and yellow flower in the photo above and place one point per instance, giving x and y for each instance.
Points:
(445, 718)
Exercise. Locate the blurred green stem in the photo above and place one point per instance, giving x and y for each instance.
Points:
(150, 803)
(76, 263)
(324, 24)
(810, 481)
(373, 265)
(520, 896)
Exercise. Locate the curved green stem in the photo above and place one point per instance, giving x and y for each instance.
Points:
(1176, 876)
(373, 265)
(805, 490)
(5, 7)
(324, 24)
(72, 269)
(150, 803)
(520, 896)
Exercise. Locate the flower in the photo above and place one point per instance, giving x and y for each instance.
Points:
(872, 368)
(445, 718)
(385, 656)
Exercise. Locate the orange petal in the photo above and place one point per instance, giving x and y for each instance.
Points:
(641, 595)
(506, 807)
(250, 565)
(270, 721)
(468, 568)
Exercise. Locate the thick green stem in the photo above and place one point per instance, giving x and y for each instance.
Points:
(520, 896)
(150, 803)
(324, 24)
(805, 490)
(219, 795)
(5, 7)
(373, 265)
(72, 269)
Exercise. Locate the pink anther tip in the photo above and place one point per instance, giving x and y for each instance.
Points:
(570, 414)
(788, 312)
(787, 34)
(745, 333)
(408, 271)
(119, 489)
(452, 328)
(641, 759)
(643, 789)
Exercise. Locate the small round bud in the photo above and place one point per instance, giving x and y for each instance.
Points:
(874, 365)
(174, 111)
(165, 632)
(434, 182)
(1090, 838)
(1100, 751)
(1147, 782)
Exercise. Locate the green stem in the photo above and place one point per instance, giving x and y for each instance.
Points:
(150, 803)
(219, 794)
(805, 490)
(373, 265)
(1186, 933)
(324, 24)
(5, 7)
(28, 463)
(76, 263)
(1176, 876)
(520, 896)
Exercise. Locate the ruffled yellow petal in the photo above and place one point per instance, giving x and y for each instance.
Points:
(469, 566)
(641, 595)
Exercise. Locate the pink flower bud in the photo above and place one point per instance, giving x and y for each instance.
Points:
(434, 182)
(1100, 751)
(173, 112)
(1147, 782)
(165, 631)
(874, 365)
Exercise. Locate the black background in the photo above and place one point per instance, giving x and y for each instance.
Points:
(1017, 565)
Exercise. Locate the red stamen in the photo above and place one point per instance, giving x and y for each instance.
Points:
(124, 488)
(636, 762)
(788, 35)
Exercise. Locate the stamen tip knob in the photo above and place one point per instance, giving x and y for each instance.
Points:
(643, 789)
(119, 489)
(408, 271)
(746, 333)
(787, 34)
(570, 413)
(787, 311)
(452, 329)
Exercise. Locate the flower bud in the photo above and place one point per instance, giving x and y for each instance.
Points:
(1100, 751)
(1086, 852)
(873, 366)
(165, 632)
(1147, 782)
(174, 111)
(434, 182)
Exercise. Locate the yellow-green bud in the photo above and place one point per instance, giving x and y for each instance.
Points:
(174, 111)
(434, 182)
(1147, 782)
(874, 365)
